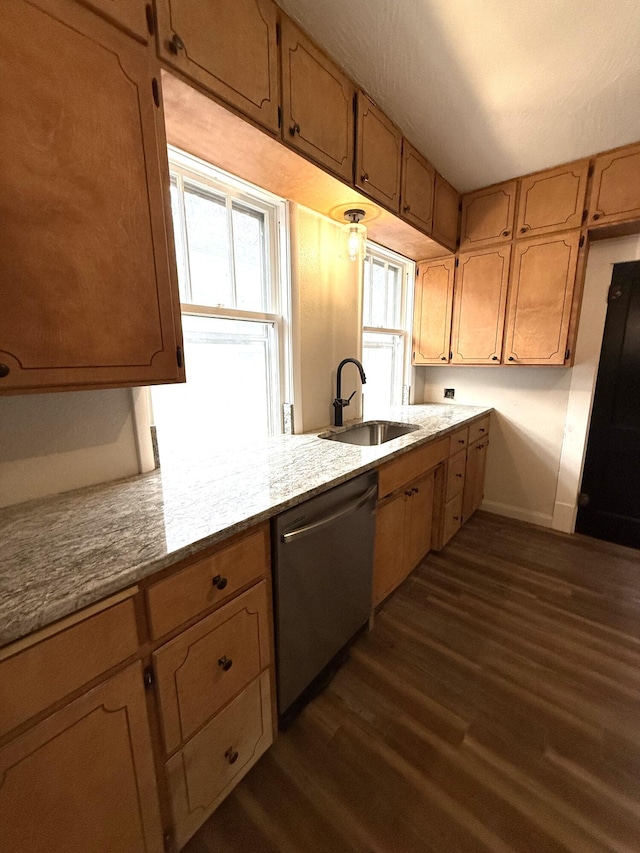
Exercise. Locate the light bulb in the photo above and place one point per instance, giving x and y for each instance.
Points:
(354, 243)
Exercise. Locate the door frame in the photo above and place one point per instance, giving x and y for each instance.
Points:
(602, 256)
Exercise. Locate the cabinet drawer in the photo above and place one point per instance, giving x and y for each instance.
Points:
(208, 664)
(455, 474)
(33, 679)
(452, 518)
(480, 429)
(411, 465)
(459, 441)
(182, 596)
(212, 763)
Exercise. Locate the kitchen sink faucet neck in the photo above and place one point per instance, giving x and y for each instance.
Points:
(339, 403)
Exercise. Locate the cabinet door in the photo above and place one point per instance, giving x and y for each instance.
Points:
(378, 156)
(446, 214)
(540, 297)
(325, 133)
(89, 295)
(417, 191)
(227, 46)
(487, 216)
(388, 560)
(479, 306)
(615, 194)
(432, 312)
(131, 15)
(418, 522)
(552, 200)
(84, 778)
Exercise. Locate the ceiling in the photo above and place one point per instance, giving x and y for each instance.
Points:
(488, 90)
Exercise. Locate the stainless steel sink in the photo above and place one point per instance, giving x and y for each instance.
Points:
(370, 433)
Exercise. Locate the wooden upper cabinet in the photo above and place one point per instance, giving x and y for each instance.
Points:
(540, 298)
(479, 306)
(131, 15)
(446, 213)
(432, 311)
(552, 200)
(417, 190)
(317, 104)
(615, 193)
(90, 296)
(487, 216)
(84, 779)
(227, 46)
(378, 155)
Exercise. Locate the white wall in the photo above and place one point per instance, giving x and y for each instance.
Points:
(327, 320)
(540, 424)
(51, 443)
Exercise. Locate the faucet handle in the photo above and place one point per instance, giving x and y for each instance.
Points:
(349, 398)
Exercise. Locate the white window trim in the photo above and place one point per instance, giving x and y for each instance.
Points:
(406, 312)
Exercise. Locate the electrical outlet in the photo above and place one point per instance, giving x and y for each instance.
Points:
(449, 393)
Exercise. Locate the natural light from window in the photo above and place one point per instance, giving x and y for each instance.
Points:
(229, 246)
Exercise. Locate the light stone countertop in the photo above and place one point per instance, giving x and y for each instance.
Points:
(62, 553)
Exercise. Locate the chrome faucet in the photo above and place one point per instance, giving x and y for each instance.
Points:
(339, 403)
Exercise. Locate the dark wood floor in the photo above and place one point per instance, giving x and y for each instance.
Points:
(494, 707)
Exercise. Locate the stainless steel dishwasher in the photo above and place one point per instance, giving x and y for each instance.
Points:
(322, 571)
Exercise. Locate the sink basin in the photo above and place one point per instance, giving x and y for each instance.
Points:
(370, 433)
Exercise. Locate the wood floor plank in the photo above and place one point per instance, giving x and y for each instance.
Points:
(494, 707)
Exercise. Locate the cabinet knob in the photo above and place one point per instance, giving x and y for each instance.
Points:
(459, 475)
(596, 216)
(511, 358)
(364, 177)
(415, 490)
(295, 128)
(231, 755)
(219, 582)
(176, 44)
(407, 208)
(482, 429)
(506, 233)
(225, 662)
(456, 518)
(407, 494)
(443, 358)
(524, 229)
(461, 441)
(4, 370)
(494, 358)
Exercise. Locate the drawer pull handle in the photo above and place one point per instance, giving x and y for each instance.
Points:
(225, 662)
(231, 755)
(219, 582)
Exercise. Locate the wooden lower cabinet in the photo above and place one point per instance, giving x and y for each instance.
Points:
(83, 779)
(474, 477)
(217, 757)
(404, 518)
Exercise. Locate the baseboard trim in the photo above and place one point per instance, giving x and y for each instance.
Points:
(539, 518)
(564, 517)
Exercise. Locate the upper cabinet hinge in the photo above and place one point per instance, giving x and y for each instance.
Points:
(585, 213)
(591, 171)
(567, 353)
(457, 261)
(279, 116)
(581, 241)
(278, 33)
(179, 357)
(151, 24)
(460, 207)
(155, 88)
(148, 677)
(355, 103)
(417, 271)
(450, 354)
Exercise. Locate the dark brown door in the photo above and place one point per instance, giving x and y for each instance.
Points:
(611, 480)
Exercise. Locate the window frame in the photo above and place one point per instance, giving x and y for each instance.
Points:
(405, 330)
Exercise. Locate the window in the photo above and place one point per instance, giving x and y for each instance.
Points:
(229, 246)
(387, 300)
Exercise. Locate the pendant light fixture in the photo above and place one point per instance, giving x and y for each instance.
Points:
(354, 236)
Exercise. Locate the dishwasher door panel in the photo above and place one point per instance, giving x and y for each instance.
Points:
(323, 569)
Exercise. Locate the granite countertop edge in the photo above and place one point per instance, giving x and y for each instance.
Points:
(62, 553)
